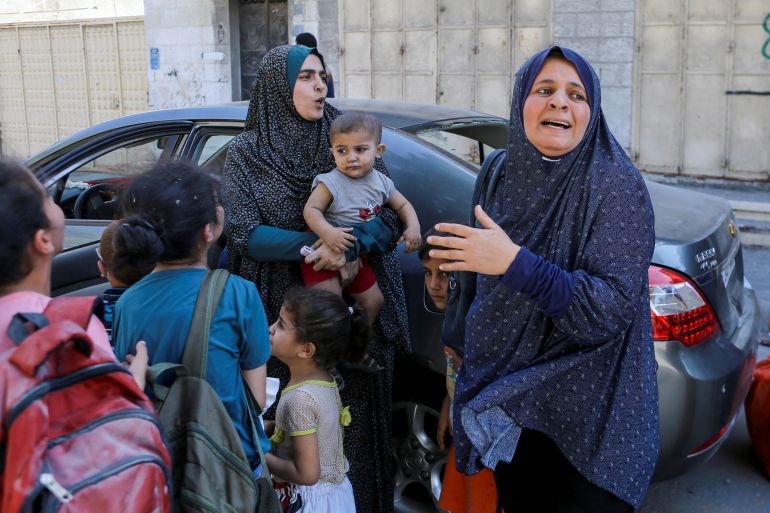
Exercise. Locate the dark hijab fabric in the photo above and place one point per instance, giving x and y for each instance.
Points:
(267, 177)
(584, 377)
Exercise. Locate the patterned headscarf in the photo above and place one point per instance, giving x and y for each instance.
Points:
(288, 146)
(584, 377)
(267, 177)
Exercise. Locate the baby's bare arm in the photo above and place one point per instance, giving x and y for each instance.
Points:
(318, 202)
(408, 216)
(316, 205)
(404, 209)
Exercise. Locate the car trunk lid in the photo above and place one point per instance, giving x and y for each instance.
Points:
(697, 234)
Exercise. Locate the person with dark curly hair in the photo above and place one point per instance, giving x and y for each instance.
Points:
(31, 235)
(314, 333)
(172, 217)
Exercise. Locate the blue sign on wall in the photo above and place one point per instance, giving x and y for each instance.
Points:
(154, 58)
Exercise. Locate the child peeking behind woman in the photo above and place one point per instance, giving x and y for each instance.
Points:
(314, 332)
(120, 268)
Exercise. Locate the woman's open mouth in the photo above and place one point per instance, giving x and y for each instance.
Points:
(554, 123)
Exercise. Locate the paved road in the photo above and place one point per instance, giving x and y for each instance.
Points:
(732, 481)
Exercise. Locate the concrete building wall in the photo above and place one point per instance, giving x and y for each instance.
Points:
(192, 38)
(602, 31)
(659, 62)
(194, 47)
(59, 77)
(26, 11)
(321, 18)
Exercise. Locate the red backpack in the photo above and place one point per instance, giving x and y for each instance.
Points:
(77, 433)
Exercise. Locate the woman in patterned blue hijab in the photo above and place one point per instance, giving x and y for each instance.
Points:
(558, 392)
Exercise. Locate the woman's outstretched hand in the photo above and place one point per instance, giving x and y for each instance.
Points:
(486, 250)
(325, 258)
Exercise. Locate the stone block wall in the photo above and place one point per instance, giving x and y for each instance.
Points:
(603, 32)
(192, 38)
(319, 17)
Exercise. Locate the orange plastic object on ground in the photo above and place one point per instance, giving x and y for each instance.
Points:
(758, 412)
(467, 494)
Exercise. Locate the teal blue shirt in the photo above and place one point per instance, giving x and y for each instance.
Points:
(158, 309)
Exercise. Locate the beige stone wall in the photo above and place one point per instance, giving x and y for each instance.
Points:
(193, 42)
(58, 78)
(319, 17)
(26, 11)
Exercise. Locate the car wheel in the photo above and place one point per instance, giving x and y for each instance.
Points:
(419, 463)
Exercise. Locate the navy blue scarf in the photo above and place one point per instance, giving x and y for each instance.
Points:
(584, 377)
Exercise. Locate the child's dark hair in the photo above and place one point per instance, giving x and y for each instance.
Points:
(340, 333)
(118, 255)
(424, 248)
(165, 209)
(353, 121)
(306, 39)
(22, 214)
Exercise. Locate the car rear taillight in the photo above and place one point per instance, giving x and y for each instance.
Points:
(678, 309)
(710, 442)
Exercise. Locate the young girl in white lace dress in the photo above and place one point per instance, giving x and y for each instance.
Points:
(314, 332)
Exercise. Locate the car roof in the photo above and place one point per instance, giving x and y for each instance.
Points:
(397, 115)
(392, 114)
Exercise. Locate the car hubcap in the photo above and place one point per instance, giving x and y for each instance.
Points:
(419, 461)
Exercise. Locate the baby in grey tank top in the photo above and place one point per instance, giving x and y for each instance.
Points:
(355, 193)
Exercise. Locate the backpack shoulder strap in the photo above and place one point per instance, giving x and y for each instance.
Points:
(252, 403)
(196, 346)
(77, 309)
(39, 335)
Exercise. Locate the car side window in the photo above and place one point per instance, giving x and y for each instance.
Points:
(213, 152)
(469, 142)
(462, 147)
(92, 190)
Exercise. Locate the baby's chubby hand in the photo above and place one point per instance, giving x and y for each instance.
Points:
(412, 239)
(339, 239)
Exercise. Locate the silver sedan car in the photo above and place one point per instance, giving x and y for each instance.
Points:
(705, 315)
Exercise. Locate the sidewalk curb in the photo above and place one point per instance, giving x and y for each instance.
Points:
(755, 210)
(755, 239)
(753, 219)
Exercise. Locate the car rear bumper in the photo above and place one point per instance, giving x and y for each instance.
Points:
(702, 389)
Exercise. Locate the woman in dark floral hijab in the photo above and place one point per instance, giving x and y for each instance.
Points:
(268, 173)
(557, 392)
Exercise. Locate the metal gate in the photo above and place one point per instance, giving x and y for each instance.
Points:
(57, 78)
(702, 88)
(456, 52)
(263, 24)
